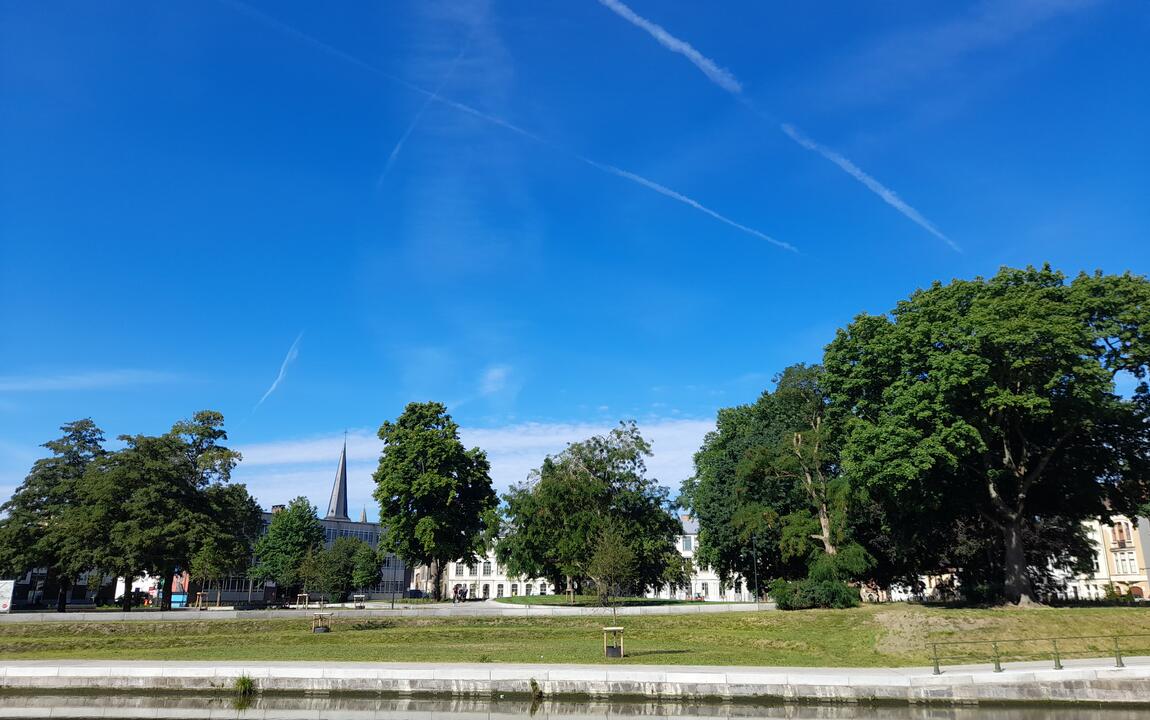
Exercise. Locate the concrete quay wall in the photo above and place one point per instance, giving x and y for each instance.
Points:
(1084, 682)
(487, 609)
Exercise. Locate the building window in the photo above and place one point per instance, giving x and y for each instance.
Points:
(486, 591)
(542, 588)
(486, 567)
(686, 543)
(527, 589)
(704, 592)
(498, 590)
(471, 570)
(514, 589)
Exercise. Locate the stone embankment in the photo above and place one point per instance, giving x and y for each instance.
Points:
(1083, 681)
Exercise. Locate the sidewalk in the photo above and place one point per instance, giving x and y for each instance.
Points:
(1089, 681)
(481, 608)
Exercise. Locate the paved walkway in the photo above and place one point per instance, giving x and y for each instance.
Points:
(481, 608)
(1093, 681)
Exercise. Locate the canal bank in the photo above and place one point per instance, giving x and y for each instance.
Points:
(1082, 681)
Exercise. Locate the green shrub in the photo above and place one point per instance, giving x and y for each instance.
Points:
(244, 686)
(810, 593)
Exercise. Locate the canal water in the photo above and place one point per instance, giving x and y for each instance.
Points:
(349, 708)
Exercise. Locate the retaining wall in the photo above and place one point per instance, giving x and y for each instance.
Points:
(1084, 682)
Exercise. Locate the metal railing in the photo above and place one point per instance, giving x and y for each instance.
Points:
(1029, 649)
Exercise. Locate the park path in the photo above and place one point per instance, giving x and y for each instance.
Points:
(480, 608)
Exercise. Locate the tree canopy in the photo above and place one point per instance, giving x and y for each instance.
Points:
(433, 493)
(293, 533)
(157, 505)
(32, 531)
(993, 401)
(594, 489)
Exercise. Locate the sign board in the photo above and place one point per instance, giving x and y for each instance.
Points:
(7, 589)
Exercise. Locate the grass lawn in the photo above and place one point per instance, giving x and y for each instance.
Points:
(871, 636)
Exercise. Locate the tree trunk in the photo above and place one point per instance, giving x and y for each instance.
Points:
(1016, 581)
(126, 600)
(62, 594)
(166, 587)
(437, 573)
(825, 526)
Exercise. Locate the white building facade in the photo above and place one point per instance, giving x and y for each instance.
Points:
(487, 579)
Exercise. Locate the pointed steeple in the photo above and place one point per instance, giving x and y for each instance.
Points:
(363, 515)
(337, 505)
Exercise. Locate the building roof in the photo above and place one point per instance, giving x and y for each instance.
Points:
(690, 525)
(337, 505)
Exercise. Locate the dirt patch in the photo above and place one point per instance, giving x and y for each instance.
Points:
(905, 630)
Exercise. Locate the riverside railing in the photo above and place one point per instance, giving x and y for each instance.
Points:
(1054, 649)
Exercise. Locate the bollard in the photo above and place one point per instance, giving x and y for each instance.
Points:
(1117, 654)
(934, 653)
(997, 659)
(1057, 658)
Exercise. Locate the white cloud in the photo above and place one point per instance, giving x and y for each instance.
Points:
(494, 379)
(922, 54)
(93, 380)
(278, 471)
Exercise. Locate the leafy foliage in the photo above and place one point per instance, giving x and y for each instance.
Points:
(433, 494)
(32, 531)
(993, 400)
(293, 533)
(555, 521)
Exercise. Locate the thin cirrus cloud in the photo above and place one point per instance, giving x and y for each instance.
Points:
(435, 96)
(94, 380)
(292, 354)
(275, 472)
(391, 158)
(728, 82)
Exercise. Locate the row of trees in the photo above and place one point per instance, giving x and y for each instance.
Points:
(293, 554)
(589, 518)
(157, 505)
(973, 428)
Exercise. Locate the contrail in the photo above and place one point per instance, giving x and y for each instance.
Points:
(664, 190)
(888, 195)
(419, 113)
(730, 83)
(720, 76)
(292, 353)
(462, 107)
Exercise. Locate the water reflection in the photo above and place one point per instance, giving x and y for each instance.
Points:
(355, 708)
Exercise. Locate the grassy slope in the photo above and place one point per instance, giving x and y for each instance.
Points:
(889, 635)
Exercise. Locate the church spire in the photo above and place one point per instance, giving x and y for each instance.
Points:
(337, 505)
(363, 515)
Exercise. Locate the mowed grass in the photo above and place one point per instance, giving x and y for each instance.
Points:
(873, 636)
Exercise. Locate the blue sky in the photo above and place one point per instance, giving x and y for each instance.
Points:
(550, 215)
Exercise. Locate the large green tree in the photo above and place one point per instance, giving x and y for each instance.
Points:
(432, 492)
(594, 489)
(993, 401)
(32, 533)
(293, 533)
